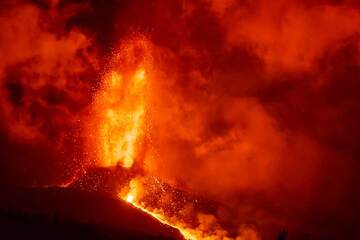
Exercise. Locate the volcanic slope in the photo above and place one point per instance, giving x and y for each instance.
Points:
(65, 213)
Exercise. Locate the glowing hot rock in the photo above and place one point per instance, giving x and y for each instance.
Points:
(130, 198)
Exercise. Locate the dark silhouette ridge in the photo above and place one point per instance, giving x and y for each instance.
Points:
(58, 213)
(20, 225)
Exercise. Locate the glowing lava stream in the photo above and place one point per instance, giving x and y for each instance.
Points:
(186, 234)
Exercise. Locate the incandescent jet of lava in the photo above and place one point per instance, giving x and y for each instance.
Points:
(120, 105)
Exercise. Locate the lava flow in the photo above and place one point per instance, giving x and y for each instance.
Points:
(133, 201)
(205, 226)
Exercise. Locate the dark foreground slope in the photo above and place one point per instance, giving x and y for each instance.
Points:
(59, 213)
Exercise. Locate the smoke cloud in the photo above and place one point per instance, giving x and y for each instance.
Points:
(45, 73)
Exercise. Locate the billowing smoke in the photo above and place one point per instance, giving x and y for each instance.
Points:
(46, 71)
(253, 104)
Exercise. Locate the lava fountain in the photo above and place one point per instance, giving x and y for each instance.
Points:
(120, 107)
(121, 124)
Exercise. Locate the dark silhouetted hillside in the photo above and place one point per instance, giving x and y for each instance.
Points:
(58, 213)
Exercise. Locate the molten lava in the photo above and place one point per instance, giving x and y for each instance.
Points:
(204, 226)
(160, 217)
